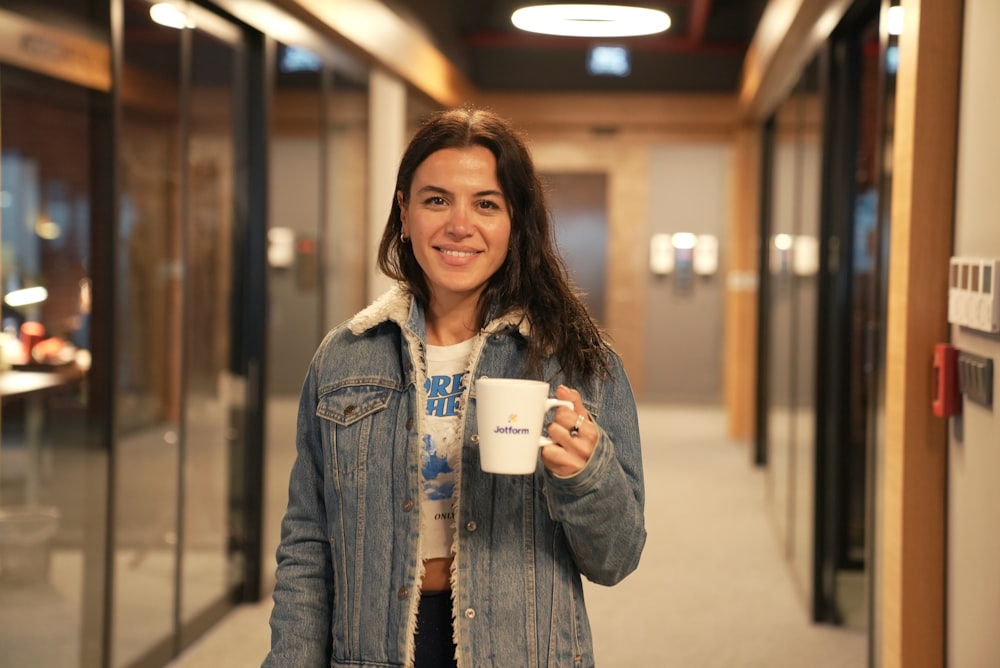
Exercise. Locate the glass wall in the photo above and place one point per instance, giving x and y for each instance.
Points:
(790, 300)
(823, 312)
(55, 209)
(129, 392)
(149, 301)
(318, 147)
(54, 194)
(317, 195)
(143, 165)
(177, 558)
(214, 386)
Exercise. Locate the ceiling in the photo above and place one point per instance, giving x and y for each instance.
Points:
(701, 52)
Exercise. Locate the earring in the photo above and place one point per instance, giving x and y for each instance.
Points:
(403, 238)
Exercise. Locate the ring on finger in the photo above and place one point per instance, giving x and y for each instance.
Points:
(575, 430)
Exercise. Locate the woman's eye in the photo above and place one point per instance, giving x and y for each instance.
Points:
(435, 201)
(487, 204)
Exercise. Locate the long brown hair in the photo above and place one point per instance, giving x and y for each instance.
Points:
(533, 278)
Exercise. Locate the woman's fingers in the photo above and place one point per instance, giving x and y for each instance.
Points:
(574, 436)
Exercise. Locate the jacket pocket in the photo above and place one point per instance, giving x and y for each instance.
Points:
(355, 415)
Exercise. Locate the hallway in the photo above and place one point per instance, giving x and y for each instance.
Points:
(712, 590)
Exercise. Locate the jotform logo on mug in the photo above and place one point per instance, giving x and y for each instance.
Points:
(509, 428)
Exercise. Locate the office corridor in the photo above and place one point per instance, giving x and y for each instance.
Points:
(712, 590)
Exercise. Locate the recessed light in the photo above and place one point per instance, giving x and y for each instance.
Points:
(590, 20)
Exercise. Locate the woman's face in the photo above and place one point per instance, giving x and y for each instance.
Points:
(458, 221)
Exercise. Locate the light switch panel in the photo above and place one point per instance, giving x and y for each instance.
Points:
(974, 293)
(975, 378)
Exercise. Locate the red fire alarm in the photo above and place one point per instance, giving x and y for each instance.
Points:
(947, 400)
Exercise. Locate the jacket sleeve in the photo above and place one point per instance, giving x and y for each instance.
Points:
(300, 619)
(601, 508)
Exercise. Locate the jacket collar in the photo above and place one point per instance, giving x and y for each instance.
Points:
(399, 306)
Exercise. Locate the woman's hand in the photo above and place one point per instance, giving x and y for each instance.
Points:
(574, 436)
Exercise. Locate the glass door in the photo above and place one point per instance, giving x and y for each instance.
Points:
(149, 332)
(789, 302)
(181, 389)
(854, 283)
(213, 386)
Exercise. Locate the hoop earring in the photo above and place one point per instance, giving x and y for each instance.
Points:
(403, 238)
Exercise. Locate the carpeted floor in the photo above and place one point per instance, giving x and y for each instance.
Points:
(712, 590)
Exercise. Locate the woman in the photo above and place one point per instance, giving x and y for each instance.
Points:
(396, 549)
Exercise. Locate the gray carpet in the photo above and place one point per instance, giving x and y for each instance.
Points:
(712, 590)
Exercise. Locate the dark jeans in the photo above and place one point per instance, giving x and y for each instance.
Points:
(435, 648)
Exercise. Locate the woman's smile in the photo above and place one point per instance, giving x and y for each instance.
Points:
(457, 252)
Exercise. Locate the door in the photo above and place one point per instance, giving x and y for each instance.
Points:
(181, 389)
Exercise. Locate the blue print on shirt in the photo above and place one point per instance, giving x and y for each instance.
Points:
(438, 483)
(443, 393)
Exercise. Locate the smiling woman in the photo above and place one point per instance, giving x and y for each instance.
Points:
(390, 491)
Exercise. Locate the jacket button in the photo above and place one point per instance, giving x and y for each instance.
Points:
(470, 613)
(402, 593)
(471, 526)
(407, 505)
(474, 438)
(350, 409)
(409, 424)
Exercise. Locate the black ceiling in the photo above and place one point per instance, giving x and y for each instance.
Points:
(701, 52)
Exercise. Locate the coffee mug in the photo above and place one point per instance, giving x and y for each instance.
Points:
(510, 414)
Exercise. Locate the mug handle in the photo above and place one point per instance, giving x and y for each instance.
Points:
(550, 404)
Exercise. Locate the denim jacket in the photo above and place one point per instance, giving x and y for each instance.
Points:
(349, 564)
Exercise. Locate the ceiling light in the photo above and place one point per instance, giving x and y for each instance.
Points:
(167, 15)
(26, 296)
(590, 20)
(894, 24)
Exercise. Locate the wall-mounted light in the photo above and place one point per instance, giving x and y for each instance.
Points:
(590, 20)
(684, 240)
(706, 255)
(661, 254)
(281, 247)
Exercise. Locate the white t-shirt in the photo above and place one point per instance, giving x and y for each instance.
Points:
(441, 445)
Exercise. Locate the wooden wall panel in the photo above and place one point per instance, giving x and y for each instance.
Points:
(740, 349)
(912, 542)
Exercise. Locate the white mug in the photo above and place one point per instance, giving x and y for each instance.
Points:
(510, 414)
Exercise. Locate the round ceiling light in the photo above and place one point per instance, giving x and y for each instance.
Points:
(590, 20)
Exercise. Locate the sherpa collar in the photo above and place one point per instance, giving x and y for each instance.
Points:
(396, 304)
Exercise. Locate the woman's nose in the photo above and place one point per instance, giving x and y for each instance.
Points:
(458, 222)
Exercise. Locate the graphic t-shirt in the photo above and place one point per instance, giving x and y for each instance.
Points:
(441, 444)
